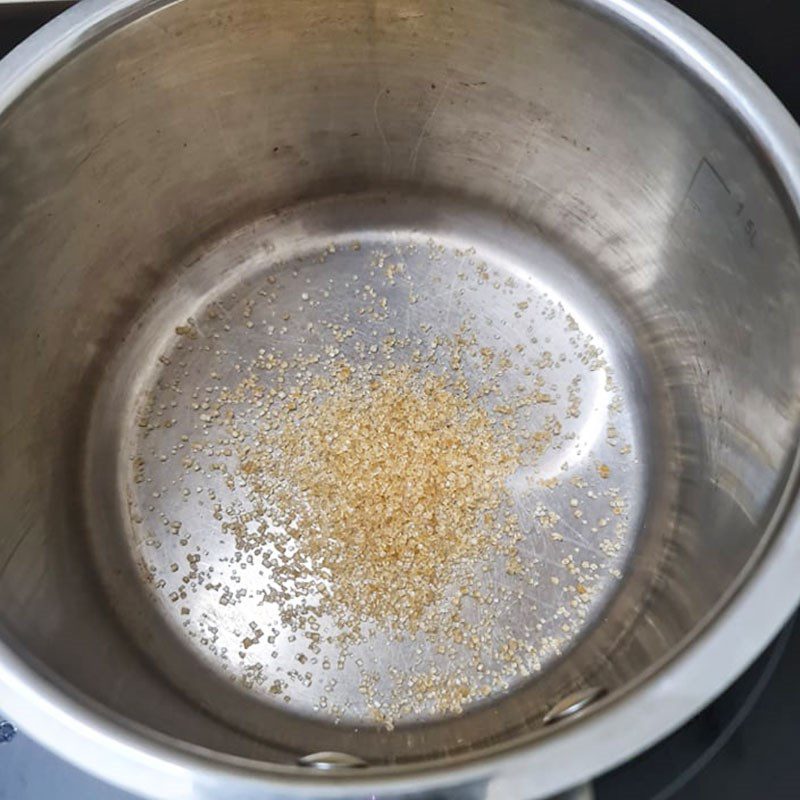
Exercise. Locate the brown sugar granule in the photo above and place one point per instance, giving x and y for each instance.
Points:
(386, 486)
(603, 470)
(379, 487)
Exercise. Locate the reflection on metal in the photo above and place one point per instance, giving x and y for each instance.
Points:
(328, 761)
(572, 704)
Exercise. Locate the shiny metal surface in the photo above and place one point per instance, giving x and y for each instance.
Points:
(149, 476)
(30, 772)
(328, 761)
(158, 157)
(572, 704)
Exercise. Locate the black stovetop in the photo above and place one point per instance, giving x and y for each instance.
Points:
(742, 747)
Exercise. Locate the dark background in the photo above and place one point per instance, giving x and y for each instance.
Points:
(746, 745)
(763, 33)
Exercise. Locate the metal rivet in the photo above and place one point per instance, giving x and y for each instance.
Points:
(330, 761)
(7, 732)
(572, 704)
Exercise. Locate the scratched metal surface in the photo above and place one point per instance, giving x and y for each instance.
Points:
(463, 272)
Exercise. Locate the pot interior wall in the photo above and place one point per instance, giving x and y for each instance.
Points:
(540, 127)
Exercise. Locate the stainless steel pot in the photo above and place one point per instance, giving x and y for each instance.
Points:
(154, 154)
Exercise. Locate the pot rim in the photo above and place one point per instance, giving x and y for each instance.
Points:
(765, 595)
